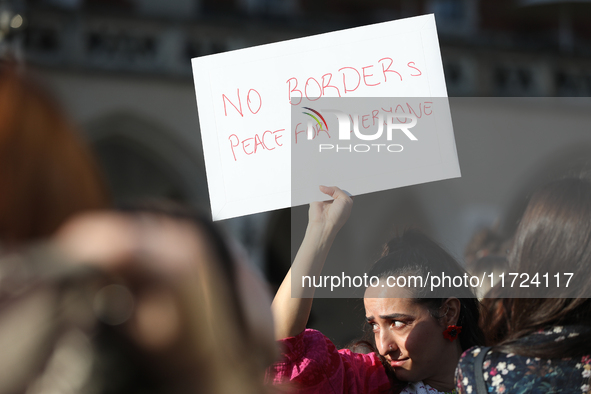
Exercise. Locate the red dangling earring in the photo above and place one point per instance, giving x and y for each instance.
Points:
(452, 332)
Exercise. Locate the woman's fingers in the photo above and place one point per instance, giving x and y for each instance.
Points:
(334, 192)
(333, 213)
(328, 190)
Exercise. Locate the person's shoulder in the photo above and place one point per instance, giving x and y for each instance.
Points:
(466, 364)
(469, 357)
(311, 363)
(420, 388)
(470, 354)
(370, 359)
(307, 334)
(304, 345)
(365, 372)
(465, 376)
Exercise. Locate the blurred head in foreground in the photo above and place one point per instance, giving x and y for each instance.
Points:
(161, 305)
(46, 172)
(150, 301)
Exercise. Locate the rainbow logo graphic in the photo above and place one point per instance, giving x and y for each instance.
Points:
(315, 118)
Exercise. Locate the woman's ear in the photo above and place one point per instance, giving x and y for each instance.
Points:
(452, 305)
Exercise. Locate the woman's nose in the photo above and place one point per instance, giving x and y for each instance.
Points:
(387, 342)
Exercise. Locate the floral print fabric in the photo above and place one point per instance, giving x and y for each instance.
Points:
(421, 388)
(510, 373)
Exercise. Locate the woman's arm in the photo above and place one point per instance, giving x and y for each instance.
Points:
(325, 219)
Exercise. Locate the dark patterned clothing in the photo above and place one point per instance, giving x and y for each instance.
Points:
(510, 373)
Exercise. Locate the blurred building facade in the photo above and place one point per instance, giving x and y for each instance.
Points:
(122, 69)
(489, 47)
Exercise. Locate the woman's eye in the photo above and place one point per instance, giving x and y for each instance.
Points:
(374, 326)
(398, 324)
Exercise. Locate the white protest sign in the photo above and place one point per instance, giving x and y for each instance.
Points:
(245, 98)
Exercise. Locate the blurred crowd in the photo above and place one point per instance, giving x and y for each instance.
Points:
(152, 298)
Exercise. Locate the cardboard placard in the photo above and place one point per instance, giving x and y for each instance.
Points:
(245, 99)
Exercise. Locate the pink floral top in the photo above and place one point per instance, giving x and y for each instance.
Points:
(310, 363)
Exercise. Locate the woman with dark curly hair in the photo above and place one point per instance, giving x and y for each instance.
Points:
(418, 334)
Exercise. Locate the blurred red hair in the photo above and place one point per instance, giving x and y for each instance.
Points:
(47, 174)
